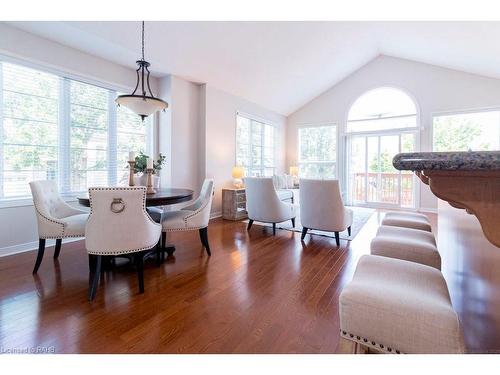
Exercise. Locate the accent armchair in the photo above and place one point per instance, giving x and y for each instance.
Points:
(321, 208)
(55, 218)
(118, 224)
(264, 205)
(192, 217)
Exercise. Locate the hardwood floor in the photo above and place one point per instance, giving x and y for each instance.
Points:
(256, 294)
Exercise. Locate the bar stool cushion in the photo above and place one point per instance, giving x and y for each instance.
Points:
(396, 306)
(409, 244)
(407, 220)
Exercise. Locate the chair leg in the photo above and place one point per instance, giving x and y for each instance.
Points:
(293, 222)
(158, 251)
(204, 239)
(304, 232)
(57, 251)
(39, 257)
(91, 263)
(163, 239)
(95, 275)
(337, 238)
(250, 222)
(349, 230)
(139, 263)
(274, 229)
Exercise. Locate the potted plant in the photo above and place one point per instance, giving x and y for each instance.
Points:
(140, 169)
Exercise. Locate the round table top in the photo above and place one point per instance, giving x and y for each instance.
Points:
(162, 197)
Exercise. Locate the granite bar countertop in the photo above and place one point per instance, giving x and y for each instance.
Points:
(448, 161)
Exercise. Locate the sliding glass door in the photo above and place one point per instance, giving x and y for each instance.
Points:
(373, 181)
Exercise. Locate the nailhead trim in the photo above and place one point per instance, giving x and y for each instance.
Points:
(365, 341)
(189, 216)
(63, 225)
(50, 219)
(114, 252)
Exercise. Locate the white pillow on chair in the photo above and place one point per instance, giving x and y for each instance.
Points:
(279, 182)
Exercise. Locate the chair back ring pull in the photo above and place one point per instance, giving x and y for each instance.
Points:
(117, 205)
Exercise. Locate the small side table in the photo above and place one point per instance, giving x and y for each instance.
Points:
(234, 204)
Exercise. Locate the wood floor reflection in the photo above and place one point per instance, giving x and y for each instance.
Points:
(256, 294)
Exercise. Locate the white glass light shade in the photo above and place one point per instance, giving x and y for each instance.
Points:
(142, 105)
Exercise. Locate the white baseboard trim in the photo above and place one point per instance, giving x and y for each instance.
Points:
(30, 246)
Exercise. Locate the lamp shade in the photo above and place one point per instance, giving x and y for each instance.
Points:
(238, 172)
(142, 105)
(294, 171)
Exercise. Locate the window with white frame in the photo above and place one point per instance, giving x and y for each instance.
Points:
(380, 109)
(255, 146)
(380, 124)
(477, 131)
(318, 151)
(56, 128)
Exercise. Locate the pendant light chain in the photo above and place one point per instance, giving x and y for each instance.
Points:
(142, 40)
(144, 104)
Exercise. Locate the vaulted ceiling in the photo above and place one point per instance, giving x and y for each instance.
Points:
(279, 65)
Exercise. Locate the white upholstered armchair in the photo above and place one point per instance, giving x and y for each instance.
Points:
(321, 207)
(118, 224)
(192, 217)
(264, 205)
(55, 218)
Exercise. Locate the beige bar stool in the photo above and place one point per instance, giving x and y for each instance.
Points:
(407, 220)
(409, 244)
(396, 306)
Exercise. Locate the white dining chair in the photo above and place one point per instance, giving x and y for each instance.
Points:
(321, 207)
(118, 224)
(55, 218)
(264, 205)
(195, 216)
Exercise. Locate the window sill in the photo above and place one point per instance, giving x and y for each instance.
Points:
(24, 202)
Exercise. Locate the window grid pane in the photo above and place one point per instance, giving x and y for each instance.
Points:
(59, 129)
(255, 147)
(318, 151)
(88, 136)
(478, 131)
(29, 128)
(131, 135)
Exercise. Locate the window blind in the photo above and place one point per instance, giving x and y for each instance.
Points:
(255, 146)
(56, 128)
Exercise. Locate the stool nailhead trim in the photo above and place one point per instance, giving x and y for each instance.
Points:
(366, 342)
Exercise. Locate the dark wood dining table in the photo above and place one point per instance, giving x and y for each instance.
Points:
(162, 197)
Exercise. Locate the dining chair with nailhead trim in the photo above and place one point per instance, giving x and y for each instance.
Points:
(118, 224)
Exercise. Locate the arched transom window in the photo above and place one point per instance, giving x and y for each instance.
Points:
(383, 108)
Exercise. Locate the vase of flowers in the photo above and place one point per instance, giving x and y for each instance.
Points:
(140, 177)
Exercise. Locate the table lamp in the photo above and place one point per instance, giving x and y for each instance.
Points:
(238, 173)
(294, 172)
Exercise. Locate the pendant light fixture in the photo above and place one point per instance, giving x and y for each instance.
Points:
(144, 103)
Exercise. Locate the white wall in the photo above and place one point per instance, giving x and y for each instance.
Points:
(220, 133)
(198, 135)
(18, 229)
(435, 89)
(180, 133)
